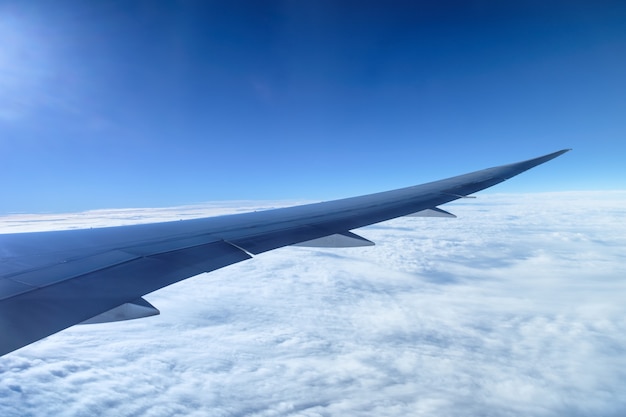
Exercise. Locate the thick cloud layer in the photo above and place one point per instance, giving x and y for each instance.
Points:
(515, 308)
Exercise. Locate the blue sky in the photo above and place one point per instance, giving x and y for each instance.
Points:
(129, 103)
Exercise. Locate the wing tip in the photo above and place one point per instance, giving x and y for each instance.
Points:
(530, 163)
(557, 153)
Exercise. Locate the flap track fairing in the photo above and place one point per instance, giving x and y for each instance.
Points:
(135, 309)
(337, 240)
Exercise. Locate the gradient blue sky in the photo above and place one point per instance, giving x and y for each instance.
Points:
(145, 103)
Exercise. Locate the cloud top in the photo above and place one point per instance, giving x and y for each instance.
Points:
(514, 308)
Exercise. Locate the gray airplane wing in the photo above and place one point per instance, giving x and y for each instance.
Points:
(52, 280)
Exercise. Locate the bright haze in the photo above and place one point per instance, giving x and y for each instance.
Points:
(142, 104)
(130, 112)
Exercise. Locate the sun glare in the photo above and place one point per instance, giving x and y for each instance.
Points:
(23, 66)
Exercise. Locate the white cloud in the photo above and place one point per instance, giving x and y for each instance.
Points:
(514, 308)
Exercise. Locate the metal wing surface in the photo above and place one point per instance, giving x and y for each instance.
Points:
(52, 280)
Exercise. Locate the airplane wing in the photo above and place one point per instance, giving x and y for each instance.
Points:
(53, 280)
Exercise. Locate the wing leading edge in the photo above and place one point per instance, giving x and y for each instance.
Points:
(52, 280)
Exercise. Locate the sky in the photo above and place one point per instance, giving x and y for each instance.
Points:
(155, 104)
(515, 308)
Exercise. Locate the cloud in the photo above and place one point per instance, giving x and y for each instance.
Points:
(514, 308)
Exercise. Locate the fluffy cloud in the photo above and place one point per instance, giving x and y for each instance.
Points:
(514, 308)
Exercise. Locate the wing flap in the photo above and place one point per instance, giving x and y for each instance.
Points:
(258, 241)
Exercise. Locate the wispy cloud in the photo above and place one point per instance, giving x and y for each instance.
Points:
(514, 308)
